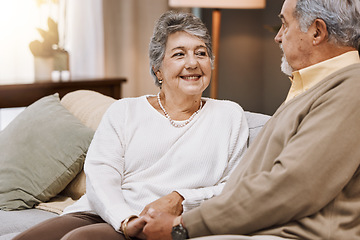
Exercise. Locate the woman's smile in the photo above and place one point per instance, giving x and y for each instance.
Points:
(193, 77)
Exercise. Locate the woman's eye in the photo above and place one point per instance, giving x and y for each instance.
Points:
(178, 54)
(201, 53)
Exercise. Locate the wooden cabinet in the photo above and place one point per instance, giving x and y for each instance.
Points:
(22, 95)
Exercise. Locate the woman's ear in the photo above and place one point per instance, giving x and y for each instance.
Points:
(158, 74)
(321, 33)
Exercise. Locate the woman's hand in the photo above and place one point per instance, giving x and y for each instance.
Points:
(134, 228)
(171, 203)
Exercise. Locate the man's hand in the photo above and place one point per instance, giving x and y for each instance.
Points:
(171, 203)
(134, 228)
(158, 225)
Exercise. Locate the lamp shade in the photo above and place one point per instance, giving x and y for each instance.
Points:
(231, 4)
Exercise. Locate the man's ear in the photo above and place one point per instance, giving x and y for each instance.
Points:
(321, 33)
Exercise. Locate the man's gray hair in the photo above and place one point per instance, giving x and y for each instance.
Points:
(342, 18)
(171, 22)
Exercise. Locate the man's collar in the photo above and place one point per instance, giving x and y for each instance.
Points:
(306, 78)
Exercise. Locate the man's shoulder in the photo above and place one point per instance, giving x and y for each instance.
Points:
(351, 71)
(345, 81)
(348, 77)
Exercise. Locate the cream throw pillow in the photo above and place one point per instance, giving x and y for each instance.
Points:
(89, 107)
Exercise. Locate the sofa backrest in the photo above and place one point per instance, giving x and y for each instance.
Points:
(255, 121)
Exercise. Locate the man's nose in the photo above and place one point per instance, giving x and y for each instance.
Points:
(278, 37)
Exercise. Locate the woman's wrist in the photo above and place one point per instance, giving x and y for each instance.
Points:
(123, 227)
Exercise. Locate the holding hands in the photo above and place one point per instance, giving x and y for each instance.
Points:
(156, 219)
(158, 225)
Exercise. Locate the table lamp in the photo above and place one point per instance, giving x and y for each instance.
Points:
(216, 23)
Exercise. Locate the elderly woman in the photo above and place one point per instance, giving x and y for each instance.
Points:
(168, 152)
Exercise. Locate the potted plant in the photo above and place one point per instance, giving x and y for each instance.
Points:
(48, 56)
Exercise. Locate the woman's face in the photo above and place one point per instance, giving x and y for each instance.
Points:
(186, 67)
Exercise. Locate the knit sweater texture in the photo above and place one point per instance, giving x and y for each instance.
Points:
(300, 179)
(137, 156)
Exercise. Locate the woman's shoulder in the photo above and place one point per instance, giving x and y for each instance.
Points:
(225, 105)
(124, 104)
(229, 113)
(128, 101)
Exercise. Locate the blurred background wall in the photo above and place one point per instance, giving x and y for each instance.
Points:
(249, 61)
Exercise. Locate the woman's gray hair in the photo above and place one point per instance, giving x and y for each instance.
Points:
(171, 22)
(342, 18)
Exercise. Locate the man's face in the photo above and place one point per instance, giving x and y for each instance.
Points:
(296, 45)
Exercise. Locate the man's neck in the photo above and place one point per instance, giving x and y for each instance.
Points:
(328, 51)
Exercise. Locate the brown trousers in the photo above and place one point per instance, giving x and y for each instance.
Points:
(73, 226)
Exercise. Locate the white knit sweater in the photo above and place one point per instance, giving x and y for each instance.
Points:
(137, 156)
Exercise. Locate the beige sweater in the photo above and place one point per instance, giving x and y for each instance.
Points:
(300, 178)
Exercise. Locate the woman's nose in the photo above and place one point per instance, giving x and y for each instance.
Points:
(191, 61)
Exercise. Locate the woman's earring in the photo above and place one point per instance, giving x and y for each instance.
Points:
(160, 81)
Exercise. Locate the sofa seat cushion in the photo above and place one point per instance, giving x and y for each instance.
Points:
(8, 236)
(18, 221)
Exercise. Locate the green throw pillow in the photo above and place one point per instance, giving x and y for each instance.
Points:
(41, 151)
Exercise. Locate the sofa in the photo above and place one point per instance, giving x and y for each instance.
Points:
(63, 129)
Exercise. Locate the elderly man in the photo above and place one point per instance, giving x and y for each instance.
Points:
(300, 179)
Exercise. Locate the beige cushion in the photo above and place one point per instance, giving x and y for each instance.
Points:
(89, 107)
